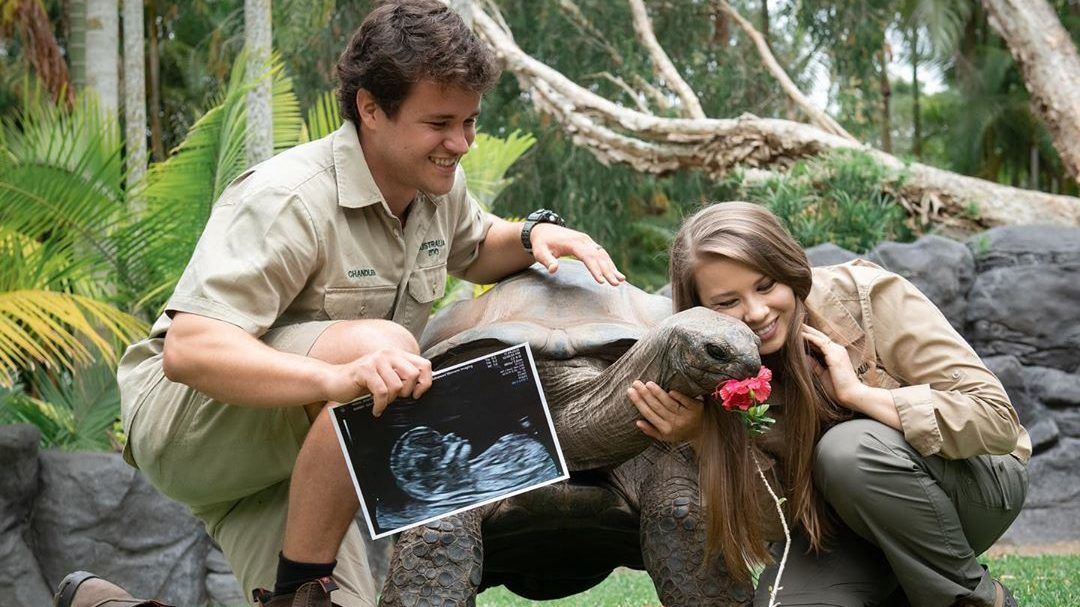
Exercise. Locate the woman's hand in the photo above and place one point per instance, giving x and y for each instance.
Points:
(670, 416)
(837, 376)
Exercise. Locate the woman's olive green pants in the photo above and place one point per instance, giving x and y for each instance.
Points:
(911, 525)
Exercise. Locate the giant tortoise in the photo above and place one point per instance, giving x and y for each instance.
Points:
(630, 501)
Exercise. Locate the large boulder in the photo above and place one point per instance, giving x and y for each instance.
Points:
(941, 268)
(1036, 418)
(1060, 392)
(828, 254)
(97, 513)
(1052, 510)
(1014, 246)
(221, 585)
(21, 581)
(1024, 298)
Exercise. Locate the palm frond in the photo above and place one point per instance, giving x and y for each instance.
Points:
(59, 330)
(181, 191)
(73, 409)
(324, 117)
(487, 162)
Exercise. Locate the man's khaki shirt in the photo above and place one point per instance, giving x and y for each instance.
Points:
(949, 403)
(307, 236)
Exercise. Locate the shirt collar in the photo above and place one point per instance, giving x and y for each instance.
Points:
(356, 186)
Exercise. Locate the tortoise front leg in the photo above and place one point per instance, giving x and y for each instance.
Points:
(440, 563)
(673, 533)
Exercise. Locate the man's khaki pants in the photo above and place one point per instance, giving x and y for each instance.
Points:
(911, 525)
(231, 465)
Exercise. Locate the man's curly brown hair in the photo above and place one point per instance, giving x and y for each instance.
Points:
(401, 43)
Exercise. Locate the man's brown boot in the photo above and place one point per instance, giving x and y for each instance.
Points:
(83, 589)
(315, 593)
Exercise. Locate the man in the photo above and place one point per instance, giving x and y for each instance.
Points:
(310, 284)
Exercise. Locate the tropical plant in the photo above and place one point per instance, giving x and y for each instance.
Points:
(844, 198)
(60, 200)
(488, 161)
(180, 192)
(73, 409)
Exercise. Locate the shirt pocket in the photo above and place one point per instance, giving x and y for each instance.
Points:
(354, 303)
(428, 284)
(425, 286)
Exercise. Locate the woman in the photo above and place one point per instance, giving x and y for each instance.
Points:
(899, 453)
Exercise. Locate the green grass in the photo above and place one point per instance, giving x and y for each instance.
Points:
(1039, 581)
(1036, 581)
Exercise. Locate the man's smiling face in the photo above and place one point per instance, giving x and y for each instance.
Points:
(419, 148)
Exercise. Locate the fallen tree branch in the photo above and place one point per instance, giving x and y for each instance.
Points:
(660, 145)
(691, 106)
(816, 116)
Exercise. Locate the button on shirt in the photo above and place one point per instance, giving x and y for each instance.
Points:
(307, 236)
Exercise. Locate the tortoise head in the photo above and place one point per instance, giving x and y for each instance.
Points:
(704, 348)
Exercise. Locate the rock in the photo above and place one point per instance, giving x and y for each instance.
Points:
(378, 554)
(95, 512)
(1052, 510)
(1036, 418)
(19, 482)
(828, 254)
(1029, 312)
(1055, 388)
(941, 268)
(222, 587)
(1010, 246)
(1068, 422)
(21, 581)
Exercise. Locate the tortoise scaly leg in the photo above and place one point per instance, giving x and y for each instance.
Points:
(673, 534)
(437, 565)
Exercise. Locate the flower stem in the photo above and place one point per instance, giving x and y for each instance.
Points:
(787, 536)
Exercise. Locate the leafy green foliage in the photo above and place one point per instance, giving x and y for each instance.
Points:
(74, 409)
(844, 197)
(60, 204)
(487, 162)
(180, 192)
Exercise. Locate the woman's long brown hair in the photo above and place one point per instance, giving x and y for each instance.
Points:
(750, 235)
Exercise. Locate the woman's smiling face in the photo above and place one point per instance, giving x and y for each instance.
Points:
(730, 288)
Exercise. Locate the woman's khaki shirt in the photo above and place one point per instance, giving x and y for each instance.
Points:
(949, 403)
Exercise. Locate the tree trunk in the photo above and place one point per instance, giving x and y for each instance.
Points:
(157, 146)
(102, 67)
(134, 94)
(916, 111)
(260, 126)
(660, 145)
(1051, 68)
(886, 93)
(42, 50)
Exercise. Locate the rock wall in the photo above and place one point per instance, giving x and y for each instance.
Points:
(65, 511)
(1013, 292)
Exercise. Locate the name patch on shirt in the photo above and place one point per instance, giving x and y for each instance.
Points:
(361, 273)
(433, 246)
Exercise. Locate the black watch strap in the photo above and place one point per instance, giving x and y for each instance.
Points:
(538, 216)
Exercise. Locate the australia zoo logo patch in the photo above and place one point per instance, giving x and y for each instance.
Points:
(433, 246)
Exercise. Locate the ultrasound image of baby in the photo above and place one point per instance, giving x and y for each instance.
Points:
(436, 470)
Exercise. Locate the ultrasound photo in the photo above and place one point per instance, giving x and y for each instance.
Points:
(481, 433)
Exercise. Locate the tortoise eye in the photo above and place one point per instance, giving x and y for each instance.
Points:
(717, 352)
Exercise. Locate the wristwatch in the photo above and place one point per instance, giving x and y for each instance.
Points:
(538, 216)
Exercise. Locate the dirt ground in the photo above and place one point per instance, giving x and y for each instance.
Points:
(1067, 547)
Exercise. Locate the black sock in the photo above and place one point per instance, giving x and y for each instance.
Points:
(291, 575)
